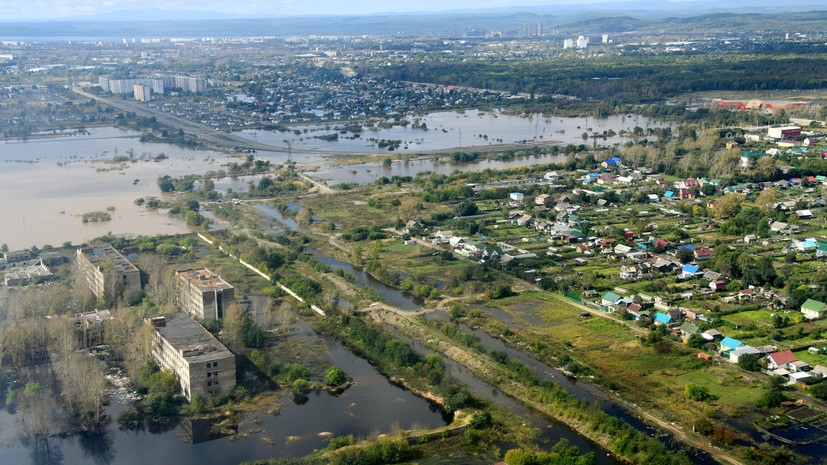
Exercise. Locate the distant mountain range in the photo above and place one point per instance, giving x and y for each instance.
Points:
(735, 17)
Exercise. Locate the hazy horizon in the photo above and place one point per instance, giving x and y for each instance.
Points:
(215, 9)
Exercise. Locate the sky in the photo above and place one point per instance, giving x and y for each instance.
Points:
(50, 9)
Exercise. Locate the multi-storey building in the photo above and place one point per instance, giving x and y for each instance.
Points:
(203, 294)
(143, 93)
(202, 364)
(109, 274)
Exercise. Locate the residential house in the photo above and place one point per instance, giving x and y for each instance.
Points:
(728, 344)
(717, 286)
(781, 360)
(622, 250)
(610, 302)
(442, 236)
(813, 309)
(712, 335)
(690, 271)
(611, 163)
(516, 196)
(704, 253)
(543, 199)
(634, 311)
(783, 228)
(456, 241)
(746, 294)
(662, 319)
(735, 355)
(687, 330)
(524, 220)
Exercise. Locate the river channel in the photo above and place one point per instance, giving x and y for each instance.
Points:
(551, 430)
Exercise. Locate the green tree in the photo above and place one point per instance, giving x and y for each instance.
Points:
(685, 255)
(697, 393)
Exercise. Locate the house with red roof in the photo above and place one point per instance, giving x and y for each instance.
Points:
(783, 360)
(685, 194)
(690, 183)
(703, 253)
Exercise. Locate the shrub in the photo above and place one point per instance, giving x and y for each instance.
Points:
(335, 376)
(301, 385)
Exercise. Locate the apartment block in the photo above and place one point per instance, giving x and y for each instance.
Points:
(203, 294)
(109, 274)
(202, 364)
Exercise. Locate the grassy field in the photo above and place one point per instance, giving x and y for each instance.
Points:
(730, 390)
(759, 318)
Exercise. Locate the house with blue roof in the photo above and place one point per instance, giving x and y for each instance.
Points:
(686, 247)
(613, 162)
(669, 194)
(662, 319)
(728, 344)
(690, 271)
(807, 244)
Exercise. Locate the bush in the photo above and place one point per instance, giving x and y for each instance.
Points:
(341, 441)
(383, 451)
(698, 393)
(335, 376)
(301, 385)
(481, 420)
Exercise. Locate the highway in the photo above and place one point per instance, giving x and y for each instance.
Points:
(201, 131)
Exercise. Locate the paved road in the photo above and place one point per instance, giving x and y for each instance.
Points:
(204, 132)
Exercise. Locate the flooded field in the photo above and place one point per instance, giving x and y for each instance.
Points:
(451, 129)
(47, 184)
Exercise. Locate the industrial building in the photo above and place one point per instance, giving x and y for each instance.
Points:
(202, 364)
(109, 274)
(203, 294)
(785, 132)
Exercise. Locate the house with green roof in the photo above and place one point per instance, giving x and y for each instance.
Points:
(610, 302)
(813, 309)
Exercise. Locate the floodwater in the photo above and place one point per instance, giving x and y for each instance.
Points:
(457, 130)
(46, 184)
(372, 405)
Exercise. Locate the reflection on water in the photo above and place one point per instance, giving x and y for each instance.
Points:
(371, 405)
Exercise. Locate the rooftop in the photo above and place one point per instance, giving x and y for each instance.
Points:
(190, 338)
(204, 279)
(107, 255)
